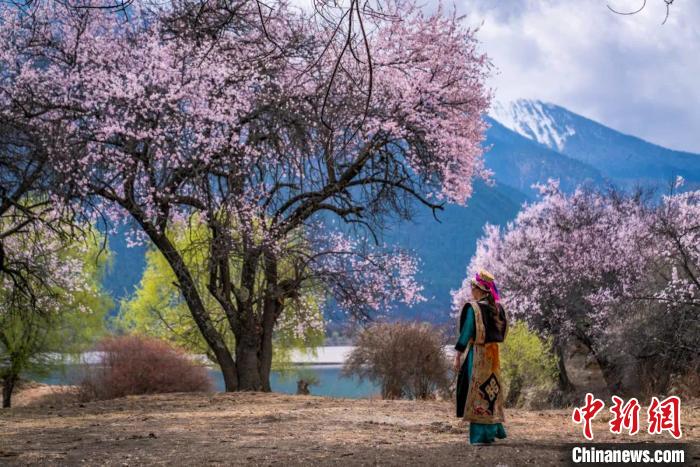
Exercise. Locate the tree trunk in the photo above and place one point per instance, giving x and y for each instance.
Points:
(609, 370)
(7, 387)
(272, 308)
(254, 359)
(247, 362)
(254, 351)
(611, 374)
(228, 370)
(565, 384)
(201, 317)
(266, 355)
(206, 327)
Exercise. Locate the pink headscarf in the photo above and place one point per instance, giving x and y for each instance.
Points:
(486, 280)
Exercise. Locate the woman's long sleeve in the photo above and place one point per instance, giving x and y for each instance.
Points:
(468, 331)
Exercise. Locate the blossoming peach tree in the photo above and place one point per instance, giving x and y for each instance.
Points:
(289, 136)
(605, 268)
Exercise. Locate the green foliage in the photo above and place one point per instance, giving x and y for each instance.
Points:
(80, 326)
(157, 308)
(35, 341)
(527, 364)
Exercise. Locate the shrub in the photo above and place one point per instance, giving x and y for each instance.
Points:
(528, 366)
(140, 365)
(406, 359)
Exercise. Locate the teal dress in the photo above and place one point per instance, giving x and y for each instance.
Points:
(478, 432)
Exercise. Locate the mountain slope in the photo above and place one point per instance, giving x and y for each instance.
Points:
(520, 162)
(623, 158)
(445, 247)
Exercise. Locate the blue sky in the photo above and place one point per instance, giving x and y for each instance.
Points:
(628, 72)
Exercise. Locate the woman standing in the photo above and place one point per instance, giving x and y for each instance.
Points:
(482, 325)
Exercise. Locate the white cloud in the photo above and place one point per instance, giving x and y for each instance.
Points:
(628, 72)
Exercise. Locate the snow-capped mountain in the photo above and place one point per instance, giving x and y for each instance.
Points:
(535, 120)
(521, 162)
(624, 159)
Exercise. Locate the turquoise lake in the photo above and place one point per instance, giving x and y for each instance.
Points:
(330, 383)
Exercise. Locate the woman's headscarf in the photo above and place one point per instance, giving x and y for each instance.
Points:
(484, 280)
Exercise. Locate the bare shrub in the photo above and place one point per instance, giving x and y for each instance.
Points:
(406, 359)
(140, 365)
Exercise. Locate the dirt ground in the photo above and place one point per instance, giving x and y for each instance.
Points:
(276, 429)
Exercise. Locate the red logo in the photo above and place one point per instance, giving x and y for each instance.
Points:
(662, 416)
(665, 416)
(586, 414)
(624, 416)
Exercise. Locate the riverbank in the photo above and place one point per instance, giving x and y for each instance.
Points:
(321, 366)
(327, 380)
(277, 429)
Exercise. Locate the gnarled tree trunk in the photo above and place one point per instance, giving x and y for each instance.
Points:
(254, 347)
(247, 359)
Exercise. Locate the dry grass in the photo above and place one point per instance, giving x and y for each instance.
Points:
(274, 429)
(37, 394)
